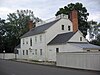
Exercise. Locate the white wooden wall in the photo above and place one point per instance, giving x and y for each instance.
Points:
(90, 61)
(7, 56)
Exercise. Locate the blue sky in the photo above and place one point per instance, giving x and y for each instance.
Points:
(46, 9)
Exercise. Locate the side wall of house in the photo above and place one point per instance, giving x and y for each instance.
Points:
(38, 43)
(57, 29)
(62, 48)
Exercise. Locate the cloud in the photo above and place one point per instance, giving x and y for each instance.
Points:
(94, 16)
(47, 8)
(4, 11)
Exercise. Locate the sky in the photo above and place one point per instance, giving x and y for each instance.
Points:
(45, 9)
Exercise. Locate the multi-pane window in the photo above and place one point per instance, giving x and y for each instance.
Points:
(88, 50)
(30, 41)
(23, 41)
(35, 39)
(68, 28)
(80, 38)
(40, 38)
(17, 52)
(26, 52)
(57, 50)
(23, 52)
(40, 51)
(35, 51)
(26, 42)
(62, 27)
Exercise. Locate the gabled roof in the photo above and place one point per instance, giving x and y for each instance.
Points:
(61, 38)
(39, 29)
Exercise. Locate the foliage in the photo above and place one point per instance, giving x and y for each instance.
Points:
(14, 28)
(96, 42)
(2, 32)
(82, 15)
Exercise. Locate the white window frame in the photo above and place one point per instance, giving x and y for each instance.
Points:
(30, 41)
(41, 52)
(35, 51)
(40, 38)
(35, 39)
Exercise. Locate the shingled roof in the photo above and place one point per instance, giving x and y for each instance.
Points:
(86, 45)
(39, 29)
(61, 38)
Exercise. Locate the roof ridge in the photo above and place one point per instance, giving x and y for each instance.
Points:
(39, 29)
(49, 22)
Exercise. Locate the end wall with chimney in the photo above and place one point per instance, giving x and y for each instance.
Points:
(74, 19)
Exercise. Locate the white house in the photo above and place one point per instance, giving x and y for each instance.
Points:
(60, 35)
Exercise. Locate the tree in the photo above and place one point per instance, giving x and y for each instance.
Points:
(97, 41)
(16, 26)
(82, 15)
(2, 33)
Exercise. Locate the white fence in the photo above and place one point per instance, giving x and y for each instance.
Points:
(7, 56)
(90, 61)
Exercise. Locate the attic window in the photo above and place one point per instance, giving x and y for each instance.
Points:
(62, 27)
(68, 28)
(80, 38)
(57, 50)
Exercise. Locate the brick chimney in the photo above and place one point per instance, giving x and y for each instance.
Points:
(74, 19)
(30, 24)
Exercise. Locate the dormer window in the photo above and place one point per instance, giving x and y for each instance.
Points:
(62, 27)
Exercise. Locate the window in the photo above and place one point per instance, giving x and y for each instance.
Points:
(57, 50)
(35, 39)
(88, 50)
(62, 27)
(50, 50)
(26, 52)
(40, 38)
(35, 51)
(68, 28)
(80, 38)
(26, 42)
(40, 51)
(23, 52)
(30, 41)
(23, 41)
(17, 52)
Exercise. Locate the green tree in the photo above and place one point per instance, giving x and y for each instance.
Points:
(2, 33)
(16, 26)
(82, 15)
(97, 41)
